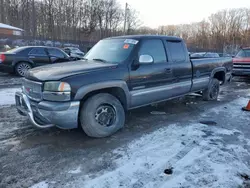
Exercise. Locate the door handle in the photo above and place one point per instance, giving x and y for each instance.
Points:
(31, 57)
(168, 70)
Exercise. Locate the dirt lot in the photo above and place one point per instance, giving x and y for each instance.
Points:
(180, 143)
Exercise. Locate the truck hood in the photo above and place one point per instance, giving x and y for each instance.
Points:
(61, 70)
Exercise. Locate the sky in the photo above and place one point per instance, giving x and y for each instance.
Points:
(166, 12)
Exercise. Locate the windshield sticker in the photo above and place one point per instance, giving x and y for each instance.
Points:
(126, 46)
(131, 41)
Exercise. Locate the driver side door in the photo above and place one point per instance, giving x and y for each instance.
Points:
(148, 82)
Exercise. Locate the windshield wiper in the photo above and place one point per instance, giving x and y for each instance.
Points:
(102, 60)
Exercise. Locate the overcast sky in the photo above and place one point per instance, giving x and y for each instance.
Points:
(163, 12)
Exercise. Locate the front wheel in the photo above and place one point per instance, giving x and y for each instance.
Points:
(212, 92)
(102, 115)
(21, 68)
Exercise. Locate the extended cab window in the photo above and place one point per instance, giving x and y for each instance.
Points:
(38, 51)
(56, 53)
(154, 48)
(176, 51)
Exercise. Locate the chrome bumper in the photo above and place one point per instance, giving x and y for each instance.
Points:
(47, 114)
(241, 72)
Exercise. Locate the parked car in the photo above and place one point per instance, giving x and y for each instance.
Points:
(241, 62)
(224, 55)
(74, 52)
(19, 60)
(204, 55)
(118, 74)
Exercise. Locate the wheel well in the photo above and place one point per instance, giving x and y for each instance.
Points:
(115, 91)
(23, 62)
(220, 76)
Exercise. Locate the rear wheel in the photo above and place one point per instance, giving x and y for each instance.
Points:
(212, 92)
(21, 68)
(102, 115)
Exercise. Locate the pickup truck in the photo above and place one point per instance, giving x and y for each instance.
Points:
(116, 75)
(241, 63)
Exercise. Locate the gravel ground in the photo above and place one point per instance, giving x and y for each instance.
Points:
(199, 140)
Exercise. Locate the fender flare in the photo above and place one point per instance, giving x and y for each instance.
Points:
(218, 69)
(84, 90)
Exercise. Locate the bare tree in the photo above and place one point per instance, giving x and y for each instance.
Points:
(92, 20)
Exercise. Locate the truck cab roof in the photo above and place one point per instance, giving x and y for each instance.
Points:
(147, 37)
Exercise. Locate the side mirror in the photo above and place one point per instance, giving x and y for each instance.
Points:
(233, 56)
(146, 59)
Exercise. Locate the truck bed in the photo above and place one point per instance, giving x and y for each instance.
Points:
(205, 66)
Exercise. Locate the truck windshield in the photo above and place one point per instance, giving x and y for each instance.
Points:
(243, 53)
(111, 50)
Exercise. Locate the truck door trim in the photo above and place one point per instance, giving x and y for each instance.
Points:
(160, 88)
(160, 93)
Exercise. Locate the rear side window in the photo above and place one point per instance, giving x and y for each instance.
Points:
(176, 51)
(55, 53)
(154, 48)
(38, 51)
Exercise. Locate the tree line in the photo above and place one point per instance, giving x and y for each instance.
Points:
(225, 30)
(91, 20)
(64, 19)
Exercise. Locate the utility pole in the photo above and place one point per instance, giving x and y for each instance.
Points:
(33, 20)
(125, 18)
(2, 11)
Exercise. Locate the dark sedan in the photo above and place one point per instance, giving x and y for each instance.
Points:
(21, 59)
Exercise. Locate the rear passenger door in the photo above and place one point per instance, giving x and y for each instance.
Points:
(39, 56)
(148, 81)
(180, 65)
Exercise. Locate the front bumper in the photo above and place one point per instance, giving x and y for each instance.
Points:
(241, 72)
(47, 114)
(6, 68)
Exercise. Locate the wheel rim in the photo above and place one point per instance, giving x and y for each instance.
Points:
(105, 115)
(214, 91)
(22, 68)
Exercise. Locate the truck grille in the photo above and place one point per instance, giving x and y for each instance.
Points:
(32, 89)
(241, 66)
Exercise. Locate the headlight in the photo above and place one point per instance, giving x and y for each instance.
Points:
(56, 91)
(56, 86)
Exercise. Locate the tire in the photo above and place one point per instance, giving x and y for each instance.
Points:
(212, 92)
(21, 68)
(97, 107)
